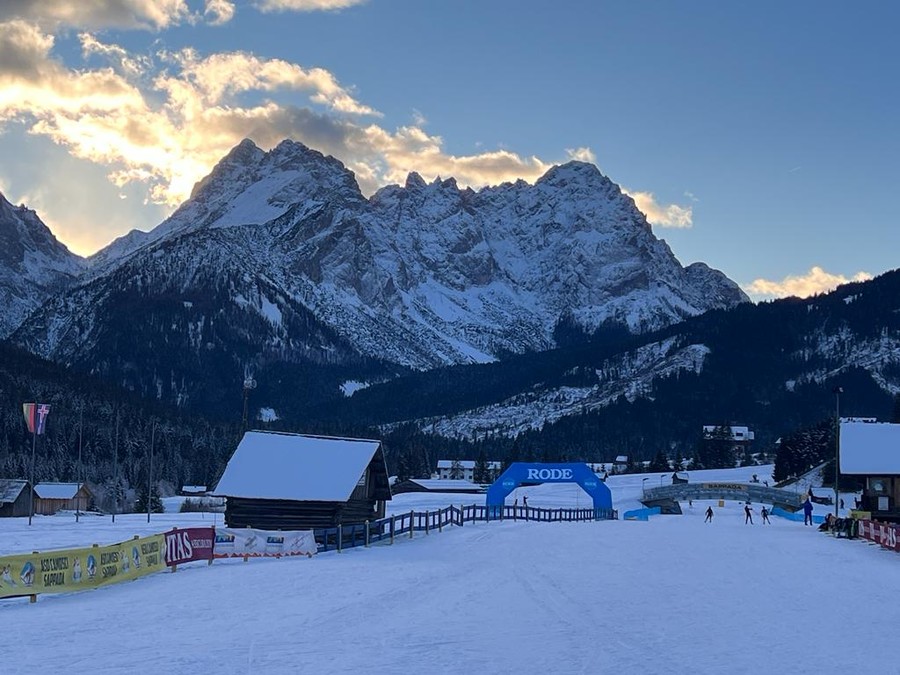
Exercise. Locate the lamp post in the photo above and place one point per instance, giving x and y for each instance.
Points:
(150, 471)
(837, 444)
(643, 489)
(661, 476)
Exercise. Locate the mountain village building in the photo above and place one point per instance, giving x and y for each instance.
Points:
(871, 450)
(280, 481)
(14, 498)
(49, 498)
(462, 469)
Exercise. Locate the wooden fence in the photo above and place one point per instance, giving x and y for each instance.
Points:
(406, 524)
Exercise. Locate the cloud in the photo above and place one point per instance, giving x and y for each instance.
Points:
(815, 281)
(97, 14)
(582, 155)
(663, 215)
(304, 5)
(218, 12)
(160, 122)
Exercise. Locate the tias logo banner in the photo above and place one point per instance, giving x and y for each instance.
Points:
(69, 570)
(193, 543)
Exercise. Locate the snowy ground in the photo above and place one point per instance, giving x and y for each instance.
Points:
(672, 595)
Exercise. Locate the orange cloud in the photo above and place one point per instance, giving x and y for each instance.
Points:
(813, 282)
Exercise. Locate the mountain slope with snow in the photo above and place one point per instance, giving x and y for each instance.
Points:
(33, 264)
(421, 275)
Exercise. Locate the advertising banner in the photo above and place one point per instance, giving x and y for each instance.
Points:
(189, 544)
(247, 542)
(881, 533)
(68, 570)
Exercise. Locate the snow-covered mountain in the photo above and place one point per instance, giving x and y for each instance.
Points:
(418, 276)
(33, 264)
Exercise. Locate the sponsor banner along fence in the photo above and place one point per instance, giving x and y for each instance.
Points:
(67, 570)
(189, 544)
(251, 543)
(881, 533)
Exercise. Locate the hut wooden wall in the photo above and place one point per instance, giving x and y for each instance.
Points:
(277, 514)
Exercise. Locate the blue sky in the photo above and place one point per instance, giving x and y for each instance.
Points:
(760, 138)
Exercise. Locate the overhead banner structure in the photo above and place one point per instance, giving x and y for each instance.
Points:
(250, 543)
(532, 474)
(68, 570)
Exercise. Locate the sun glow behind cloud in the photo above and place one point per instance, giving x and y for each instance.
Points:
(163, 119)
(813, 282)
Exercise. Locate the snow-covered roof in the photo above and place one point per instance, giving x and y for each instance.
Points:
(270, 465)
(57, 490)
(193, 489)
(10, 489)
(465, 464)
(622, 459)
(869, 448)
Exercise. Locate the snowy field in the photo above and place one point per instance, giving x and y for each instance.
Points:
(672, 595)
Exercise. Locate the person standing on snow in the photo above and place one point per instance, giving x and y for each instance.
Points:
(765, 516)
(748, 514)
(709, 514)
(807, 512)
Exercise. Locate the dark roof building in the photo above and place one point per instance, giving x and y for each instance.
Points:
(872, 450)
(14, 497)
(279, 481)
(437, 485)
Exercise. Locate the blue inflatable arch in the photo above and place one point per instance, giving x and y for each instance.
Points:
(522, 472)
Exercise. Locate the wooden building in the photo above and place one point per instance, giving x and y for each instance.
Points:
(14, 498)
(52, 497)
(871, 450)
(279, 481)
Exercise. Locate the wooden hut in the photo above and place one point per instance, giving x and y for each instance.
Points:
(52, 497)
(14, 498)
(279, 481)
(437, 485)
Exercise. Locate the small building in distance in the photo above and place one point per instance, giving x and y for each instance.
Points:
(281, 481)
(193, 491)
(437, 485)
(52, 497)
(871, 450)
(14, 497)
(621, 464)
(733, 433)
(463, 469)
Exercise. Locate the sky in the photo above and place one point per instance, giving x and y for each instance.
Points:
(759, 138)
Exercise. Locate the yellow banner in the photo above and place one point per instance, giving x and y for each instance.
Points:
(74, 569)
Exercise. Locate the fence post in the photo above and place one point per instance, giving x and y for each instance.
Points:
(462, 516)
(427, 519)
(412, 523)
(393, 517)
(340, 538)
(367, 534)
(440, 521)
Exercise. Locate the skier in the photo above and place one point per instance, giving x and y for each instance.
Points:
(765, 516)
(709, 514)
(748, 514)
(525, 501)
(807, 512)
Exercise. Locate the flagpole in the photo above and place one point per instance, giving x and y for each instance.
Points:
(150, 472)
(31, 498)
(116, 469)
(78, 478)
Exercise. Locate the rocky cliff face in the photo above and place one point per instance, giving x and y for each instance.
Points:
(33, 264)
(418, 276)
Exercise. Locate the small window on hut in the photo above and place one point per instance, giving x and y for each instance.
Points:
(362, 479)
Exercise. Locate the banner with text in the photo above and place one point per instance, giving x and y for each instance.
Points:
(881, 533)
(238, 543)
(68, 570)
(189, 544)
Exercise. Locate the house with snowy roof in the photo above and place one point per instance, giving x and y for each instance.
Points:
(49, 498)
(14, 497)
(281, 481)
(871, 450)
(462, 469)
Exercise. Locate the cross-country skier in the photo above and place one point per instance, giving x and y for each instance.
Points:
(709, 515)
(765, 516)
(748, 514)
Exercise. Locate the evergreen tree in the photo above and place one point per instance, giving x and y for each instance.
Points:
(659, 463)
(481, 473)
(895, 416)
(140, 505)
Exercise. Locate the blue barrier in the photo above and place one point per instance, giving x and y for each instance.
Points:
(797, 517)
(642, 514)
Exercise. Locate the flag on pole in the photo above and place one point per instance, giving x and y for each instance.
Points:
(36, 416)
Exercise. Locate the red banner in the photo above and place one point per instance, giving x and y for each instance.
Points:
(189, 544)
(881, 533)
